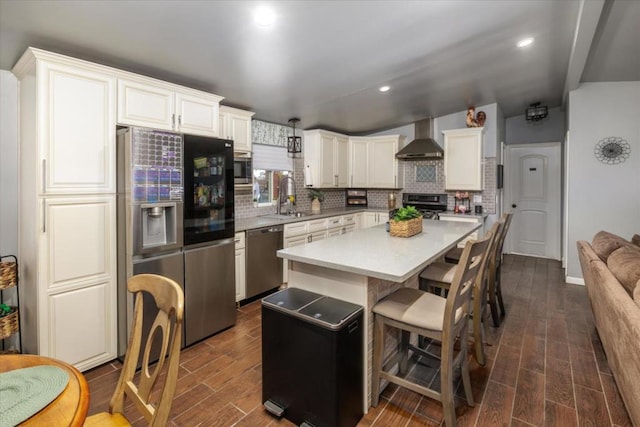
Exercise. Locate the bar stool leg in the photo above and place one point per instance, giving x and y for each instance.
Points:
(378, 348)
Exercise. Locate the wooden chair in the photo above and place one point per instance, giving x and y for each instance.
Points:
(496, 302)
(429, 315)
(440, 274)
(495, 284)
(169, 298)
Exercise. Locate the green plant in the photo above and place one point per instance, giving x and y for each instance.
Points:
(316, 194)
(406, 213)
(5, 310)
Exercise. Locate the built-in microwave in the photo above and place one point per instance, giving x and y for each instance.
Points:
(242, 170)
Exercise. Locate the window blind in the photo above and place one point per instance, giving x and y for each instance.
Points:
(271, 157)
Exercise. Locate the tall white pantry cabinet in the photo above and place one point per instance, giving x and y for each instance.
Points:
(67, 207)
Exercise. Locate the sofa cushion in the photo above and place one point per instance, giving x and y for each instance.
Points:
(636, 239)
(624, 263)
(604, 243)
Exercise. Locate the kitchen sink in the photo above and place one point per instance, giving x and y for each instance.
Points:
(287, 215)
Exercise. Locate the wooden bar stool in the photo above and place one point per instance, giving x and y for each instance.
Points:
(439, 276)
(496, 302)
(441, 319)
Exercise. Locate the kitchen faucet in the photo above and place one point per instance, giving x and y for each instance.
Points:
(284, 188)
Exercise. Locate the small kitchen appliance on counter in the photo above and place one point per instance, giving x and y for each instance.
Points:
(427, 204)
(356, 197)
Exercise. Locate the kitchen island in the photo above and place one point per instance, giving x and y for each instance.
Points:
(366, 265)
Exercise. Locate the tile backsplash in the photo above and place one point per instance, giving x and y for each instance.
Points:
(424, 176)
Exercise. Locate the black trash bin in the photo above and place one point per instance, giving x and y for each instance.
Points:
(312, 352)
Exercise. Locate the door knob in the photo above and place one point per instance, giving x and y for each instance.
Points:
(514, 205)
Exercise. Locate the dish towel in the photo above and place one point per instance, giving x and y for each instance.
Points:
(24, 392)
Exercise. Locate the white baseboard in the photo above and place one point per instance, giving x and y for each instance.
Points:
(574, 280)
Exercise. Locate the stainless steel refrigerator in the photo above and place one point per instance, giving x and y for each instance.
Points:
(175, 218)
(150, 217)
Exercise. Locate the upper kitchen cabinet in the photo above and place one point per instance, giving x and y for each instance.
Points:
(463, 159)
(159, 105)
(373, 161)
(68, 143)
(235, 124)
(326, 158)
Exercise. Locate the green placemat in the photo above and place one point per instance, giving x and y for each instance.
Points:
(23, 392)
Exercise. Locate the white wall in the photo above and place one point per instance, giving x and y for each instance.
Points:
(8, 163)
(552, 128)
(601, 196)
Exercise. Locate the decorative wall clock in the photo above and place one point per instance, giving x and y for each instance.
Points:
(612, 150)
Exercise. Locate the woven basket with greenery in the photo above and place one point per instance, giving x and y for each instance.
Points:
(407, 222)
(9, 324)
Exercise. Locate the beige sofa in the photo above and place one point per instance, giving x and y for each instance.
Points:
(611, 270)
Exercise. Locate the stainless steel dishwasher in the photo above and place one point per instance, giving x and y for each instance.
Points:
(264, 268)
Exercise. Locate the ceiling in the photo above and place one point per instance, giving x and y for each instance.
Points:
(323, 61)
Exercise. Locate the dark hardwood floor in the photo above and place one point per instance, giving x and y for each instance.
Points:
(546, 367)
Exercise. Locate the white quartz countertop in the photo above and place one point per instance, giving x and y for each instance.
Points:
(464, 215)
(245, 224)
(374, 252)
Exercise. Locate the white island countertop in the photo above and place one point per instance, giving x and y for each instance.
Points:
(374, 252)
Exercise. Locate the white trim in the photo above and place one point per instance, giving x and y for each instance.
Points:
(574, 280)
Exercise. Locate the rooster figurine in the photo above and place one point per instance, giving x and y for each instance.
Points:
(471, 121)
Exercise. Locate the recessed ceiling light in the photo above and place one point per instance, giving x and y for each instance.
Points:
(264, 17)
(525, 42)
(384, 88)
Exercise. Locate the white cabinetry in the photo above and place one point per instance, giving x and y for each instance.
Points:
(241, 274)
(67, 232)
(301, 233)
(235, 124)
(473, 219)
(373, 162)
(326, 156)
(463, 159)
(370, 219)
(151, 103)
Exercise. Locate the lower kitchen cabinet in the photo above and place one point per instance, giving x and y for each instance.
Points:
(80, 326)
(70, 313)
(370, 219)
(301, 233)
(241, 273)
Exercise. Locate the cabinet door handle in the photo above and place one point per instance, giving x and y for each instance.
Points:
(173, 121)
(179, 122)
(335, 180)
(44, 216)
(309, 238)
(44, 175)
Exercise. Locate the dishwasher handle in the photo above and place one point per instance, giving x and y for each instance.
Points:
(274, 229)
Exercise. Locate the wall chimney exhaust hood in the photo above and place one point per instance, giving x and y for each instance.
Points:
(424, 146)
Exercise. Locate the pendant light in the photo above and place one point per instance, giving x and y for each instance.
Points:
(294, 143)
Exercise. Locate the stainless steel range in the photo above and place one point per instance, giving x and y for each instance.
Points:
(428, 204)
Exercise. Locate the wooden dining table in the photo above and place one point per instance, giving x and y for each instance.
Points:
(70, 407)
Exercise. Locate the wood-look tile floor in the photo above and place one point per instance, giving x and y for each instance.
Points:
(546, 367)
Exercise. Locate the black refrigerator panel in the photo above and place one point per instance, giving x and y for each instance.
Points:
(209, 290)
(208, 189)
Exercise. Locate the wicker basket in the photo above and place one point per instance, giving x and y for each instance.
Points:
(8, 274)
(405, 228)
(9, 324)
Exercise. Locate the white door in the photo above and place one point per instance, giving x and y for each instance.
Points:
(533, 192)
(197, 115)
(383, 163)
